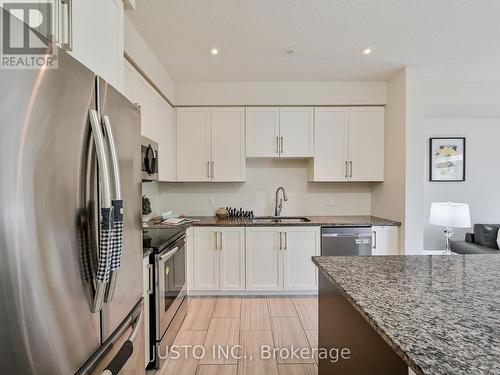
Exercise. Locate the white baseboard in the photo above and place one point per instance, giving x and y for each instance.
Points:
(254, 293)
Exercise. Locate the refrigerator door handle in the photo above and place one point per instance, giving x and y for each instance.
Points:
(125, 352)
(123, 355)
(105, 235)
(114, 157)
(67, 25)
(117, 204)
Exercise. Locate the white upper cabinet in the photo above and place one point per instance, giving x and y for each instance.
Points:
(129, 74)
(89, 30)
(193, 144)
(280, 132)
(97, 37)
(296, 132)
(142, 94)
(164, 132)
(262, 132)
(366, 143)
(331, 140)
(228, 144)
(349, 144)
(210, 144)
(158, 121)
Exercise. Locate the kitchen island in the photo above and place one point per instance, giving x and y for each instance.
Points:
(434, 314)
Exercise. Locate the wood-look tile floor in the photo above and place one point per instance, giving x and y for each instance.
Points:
(247, 323)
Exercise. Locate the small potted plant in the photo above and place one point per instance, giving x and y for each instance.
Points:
(146, 209)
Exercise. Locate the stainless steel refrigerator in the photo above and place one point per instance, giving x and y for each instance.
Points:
(69, 155)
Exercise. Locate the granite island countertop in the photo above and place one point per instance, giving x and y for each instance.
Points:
(337, 221)
(441, 314)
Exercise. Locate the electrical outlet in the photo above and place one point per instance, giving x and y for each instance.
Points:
(331, 201)
(211, 203)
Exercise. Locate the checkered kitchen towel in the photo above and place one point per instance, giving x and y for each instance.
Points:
(87, 260)
(117, 240)
(105, 245)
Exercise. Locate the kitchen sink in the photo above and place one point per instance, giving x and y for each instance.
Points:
(282, 220)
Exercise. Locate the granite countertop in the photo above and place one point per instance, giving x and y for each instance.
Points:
(314, 221)
(441, 314)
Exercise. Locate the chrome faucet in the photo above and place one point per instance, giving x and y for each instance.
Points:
(279, 206)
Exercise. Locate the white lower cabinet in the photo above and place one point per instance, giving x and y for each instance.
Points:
(218, 259)
(301, 243)
(232, 259)
(385, 240)
(259, 259)
(264, 259)
(279, 259)
(206, 259)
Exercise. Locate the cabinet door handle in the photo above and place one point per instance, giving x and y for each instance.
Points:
(281, 241)
(277, 145)
(346, 169)
(221, 244)
(350, 169)
(374, 246)
(213, 168)
(286, 240)
(208, 169)
(281, 140)
(216, 240)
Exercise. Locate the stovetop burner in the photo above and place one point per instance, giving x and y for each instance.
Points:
(158, 238)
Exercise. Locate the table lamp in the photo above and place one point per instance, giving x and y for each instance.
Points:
(450, 215)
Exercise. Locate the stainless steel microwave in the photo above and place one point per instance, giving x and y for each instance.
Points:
(149, 158)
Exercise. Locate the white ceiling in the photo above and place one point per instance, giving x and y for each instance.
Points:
(451, 39)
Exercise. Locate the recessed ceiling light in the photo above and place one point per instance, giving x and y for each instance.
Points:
(288, 51)
(215, 51)
(367, 51)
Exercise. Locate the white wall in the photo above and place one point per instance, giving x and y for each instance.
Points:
(258, 193)
(280, 93)
(471, 110)
(388, 198)
(138, 50)
(414, 163)
(462, 99)
(401, 196)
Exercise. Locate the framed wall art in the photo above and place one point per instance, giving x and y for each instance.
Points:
(447, 159)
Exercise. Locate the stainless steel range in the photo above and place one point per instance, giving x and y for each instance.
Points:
(168, 301)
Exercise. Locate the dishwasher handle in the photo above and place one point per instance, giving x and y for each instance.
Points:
(342, 235)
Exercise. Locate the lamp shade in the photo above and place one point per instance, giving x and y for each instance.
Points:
(451, 215)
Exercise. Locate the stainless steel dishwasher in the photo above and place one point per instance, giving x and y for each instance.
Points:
(346, 241)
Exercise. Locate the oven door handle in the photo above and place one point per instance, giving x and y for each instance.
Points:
(168, 254)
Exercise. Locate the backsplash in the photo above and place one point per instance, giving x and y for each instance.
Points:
(264, 176)
(152, 191)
